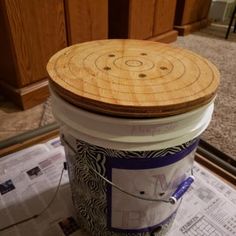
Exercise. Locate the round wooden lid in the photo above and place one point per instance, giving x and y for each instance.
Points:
(132, 78)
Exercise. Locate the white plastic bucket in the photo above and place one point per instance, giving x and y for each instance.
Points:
(146, 157)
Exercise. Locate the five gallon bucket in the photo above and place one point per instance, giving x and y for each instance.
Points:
(148, 158)
(131, 133)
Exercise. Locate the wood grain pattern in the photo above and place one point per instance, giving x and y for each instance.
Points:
(141, 15)
(133, 78)
(164, 16)
(86, 20)
(7, 69)
(37, 31)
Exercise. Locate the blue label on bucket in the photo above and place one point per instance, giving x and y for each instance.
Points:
(155, 176)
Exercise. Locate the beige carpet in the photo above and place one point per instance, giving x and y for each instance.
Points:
(211, 44)
(14, 121)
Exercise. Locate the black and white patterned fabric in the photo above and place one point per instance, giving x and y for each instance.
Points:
(89, 191)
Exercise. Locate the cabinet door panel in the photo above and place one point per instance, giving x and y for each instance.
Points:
(164, 16)
(141, 15)
(195, 10)
(7, 60)
(37, 29)
(86, 20)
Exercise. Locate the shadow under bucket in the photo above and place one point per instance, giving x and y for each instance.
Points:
(130, 139)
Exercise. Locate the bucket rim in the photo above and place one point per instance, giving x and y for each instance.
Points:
(133, 121)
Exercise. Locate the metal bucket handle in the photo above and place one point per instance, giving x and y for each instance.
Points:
(173, 199)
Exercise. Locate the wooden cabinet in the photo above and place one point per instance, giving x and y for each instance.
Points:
(191, 15)
(142, 19)
(31, 31)
(86, 20)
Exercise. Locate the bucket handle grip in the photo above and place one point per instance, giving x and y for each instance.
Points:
(173, 199)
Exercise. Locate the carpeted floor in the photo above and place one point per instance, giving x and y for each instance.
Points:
(209, 43)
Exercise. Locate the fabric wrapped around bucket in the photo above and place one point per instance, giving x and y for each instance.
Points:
(103, 210)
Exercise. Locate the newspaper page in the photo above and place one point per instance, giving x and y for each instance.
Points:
(208, 208)
(29, 179)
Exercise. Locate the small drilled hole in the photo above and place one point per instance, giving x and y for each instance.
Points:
(163, 68)
(107, 68)
(142, 75)
(143, 54)
(142, 192)
(111, 55)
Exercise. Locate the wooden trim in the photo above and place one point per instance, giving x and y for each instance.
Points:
(205, 147)
(28, 96)
(226, 176)
(187, 29)
(167, 37)
(27, 143)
